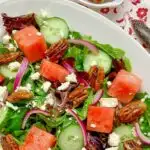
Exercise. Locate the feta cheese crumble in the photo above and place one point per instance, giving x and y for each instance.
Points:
(11, 47)
(38, 33)
(46, 85)
(23, 88)
(35, 76)
(109, 102)
(10, 105)
(93, 125)
(113, 139)
(50, 99)
(63, 86)
(14, 66)
(3, 93)
(37, 66)
(6, 38)
(14, 32)
(28, 86)
(83, 148)
(109, 83)
(71, 78)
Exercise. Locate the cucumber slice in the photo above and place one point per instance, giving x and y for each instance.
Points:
(4, 113)
(125, 133)
(102, 60)
(71, 138)
(54, 29)
(6, 72)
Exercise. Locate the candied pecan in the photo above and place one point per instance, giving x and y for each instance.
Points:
(116, 118)
(19, 95)
(57, 50)
(131, 112)
(78, 95)
(9, 57)
(8, 143)
(96, 77)
(131, 145)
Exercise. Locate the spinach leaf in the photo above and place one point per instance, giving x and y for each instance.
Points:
(105, 88)
(3, 49)
(140, 95)
(145, 119)
(79, 53)
(19, 136)
(74, 35)
(10, 86)
(15, 120)
(53, 122)
(127, 64)
(82, 112)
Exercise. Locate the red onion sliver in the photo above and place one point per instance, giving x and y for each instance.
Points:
(31, 112)
(21, 73)
(141, 136)
(83, 81)
(85, 43)
(81, 124)
(98, 96)
(68, 67)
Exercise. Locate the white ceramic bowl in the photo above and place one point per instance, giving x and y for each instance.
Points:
(88, 22)
(108, 3)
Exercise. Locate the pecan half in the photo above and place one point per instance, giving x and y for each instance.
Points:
(8, 143)
(131, 145)
(78, 95)
(9, 57)
(131, 112)
(19, 95)
(57, 50)
(96, 77)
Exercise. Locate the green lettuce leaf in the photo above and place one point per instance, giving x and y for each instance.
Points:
(15, 120)
(127, 64)
(79, 54)
(145, 119)
(53, 122)
(115, 53)
(3, 49)
(74, 35)
(82, 112)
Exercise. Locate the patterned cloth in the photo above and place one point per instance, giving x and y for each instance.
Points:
(136, 9)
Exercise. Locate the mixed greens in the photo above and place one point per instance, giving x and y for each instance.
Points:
(62, 90)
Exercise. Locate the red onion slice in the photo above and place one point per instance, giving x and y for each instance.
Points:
(98, 96)
(85, 43)
(141, 136)
(81, 124)
(21, 72)
(31, 112)
(68, 67)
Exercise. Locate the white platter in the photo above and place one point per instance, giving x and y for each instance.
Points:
(88, 22)
(108, 3)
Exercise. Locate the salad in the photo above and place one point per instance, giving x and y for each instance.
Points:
(62, 90)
